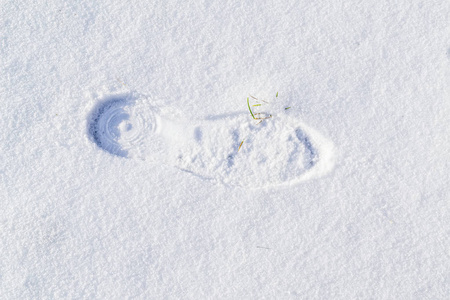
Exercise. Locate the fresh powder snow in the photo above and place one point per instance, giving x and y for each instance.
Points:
(225, 149)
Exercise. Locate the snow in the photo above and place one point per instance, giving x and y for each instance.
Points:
(121, 174)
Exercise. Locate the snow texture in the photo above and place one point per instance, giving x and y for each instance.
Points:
(276, 151)
(131, 167)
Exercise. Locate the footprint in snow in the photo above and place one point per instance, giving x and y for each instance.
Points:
(120, 123)
(278, 151)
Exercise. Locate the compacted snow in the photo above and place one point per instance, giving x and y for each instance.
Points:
(277, 149)
(225, 150)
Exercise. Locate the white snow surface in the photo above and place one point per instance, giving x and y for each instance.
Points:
(131, 167)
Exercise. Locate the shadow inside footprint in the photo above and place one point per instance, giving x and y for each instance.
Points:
(108, 123)
(198, 134)
(311, 155)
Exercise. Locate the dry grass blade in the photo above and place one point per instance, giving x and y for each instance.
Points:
(265, 116)
(241, 145)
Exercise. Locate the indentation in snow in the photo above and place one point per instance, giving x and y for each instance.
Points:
(120, 124)
(276, 152)
(280, 150)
